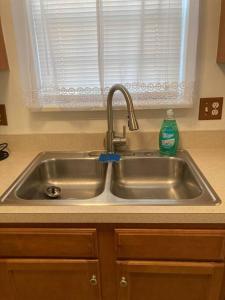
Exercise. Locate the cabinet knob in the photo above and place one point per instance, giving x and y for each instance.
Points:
(93, 280)
(123, 282)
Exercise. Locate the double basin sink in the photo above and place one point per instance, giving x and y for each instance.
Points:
(139, 178)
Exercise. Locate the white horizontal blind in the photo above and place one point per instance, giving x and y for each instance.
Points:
(79, 48)
(142, 45)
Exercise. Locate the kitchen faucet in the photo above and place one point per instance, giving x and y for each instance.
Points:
(111, 138)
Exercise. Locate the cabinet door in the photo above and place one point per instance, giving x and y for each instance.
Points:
(45, 279)
(169, 280)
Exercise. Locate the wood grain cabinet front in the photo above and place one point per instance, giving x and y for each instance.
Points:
(3, 56)
(48, 243)
(170, 244)
(49, 279)
(110, 263)
(221, 42)
(138, 280)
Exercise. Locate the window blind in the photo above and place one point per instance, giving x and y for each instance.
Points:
(75, 50)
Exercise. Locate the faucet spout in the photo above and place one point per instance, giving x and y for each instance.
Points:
(132, 121)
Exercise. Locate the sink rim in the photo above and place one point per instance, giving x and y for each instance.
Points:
(207, 198)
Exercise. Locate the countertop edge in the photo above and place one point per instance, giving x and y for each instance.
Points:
(146, 218)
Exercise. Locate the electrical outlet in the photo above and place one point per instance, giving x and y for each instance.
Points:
(210, 108)
(3, 117)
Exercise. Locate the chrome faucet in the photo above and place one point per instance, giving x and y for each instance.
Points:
(111, 138)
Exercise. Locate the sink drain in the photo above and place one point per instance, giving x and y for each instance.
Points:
(53, 192)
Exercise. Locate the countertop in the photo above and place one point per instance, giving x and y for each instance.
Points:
(210, 161)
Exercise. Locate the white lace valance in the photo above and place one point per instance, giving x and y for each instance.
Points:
(72, 52)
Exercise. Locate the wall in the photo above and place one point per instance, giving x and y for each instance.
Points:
(211, 82)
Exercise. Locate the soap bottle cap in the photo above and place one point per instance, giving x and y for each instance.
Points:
(170, 114)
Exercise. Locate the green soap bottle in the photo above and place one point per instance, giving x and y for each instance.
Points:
(169, 135)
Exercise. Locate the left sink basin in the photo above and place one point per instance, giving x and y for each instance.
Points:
(59, 176)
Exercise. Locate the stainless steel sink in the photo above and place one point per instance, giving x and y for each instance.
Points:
(60, 176)
(140, 178)
(154, 178)
(168, 180)
(78, 178)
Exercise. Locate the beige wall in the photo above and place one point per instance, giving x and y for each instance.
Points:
(211, 82)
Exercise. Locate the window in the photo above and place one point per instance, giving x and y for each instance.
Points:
(72, 51)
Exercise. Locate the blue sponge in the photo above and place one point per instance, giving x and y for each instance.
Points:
(109, 157)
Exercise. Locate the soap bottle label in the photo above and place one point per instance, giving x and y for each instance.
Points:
(168, 143)
(168, 139)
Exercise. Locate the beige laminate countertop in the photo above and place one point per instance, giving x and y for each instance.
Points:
(211, 162)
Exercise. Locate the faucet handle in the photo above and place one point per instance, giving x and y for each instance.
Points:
(120, 141)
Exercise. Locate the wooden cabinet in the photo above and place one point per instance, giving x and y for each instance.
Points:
(221, 43)
(49, 279)
(169, 264)
(49, 264)
(3, 56)
(169, 280)
(48, 243)
(167, 244)
(111, 263)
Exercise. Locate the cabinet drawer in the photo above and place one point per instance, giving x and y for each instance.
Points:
(201, 245)
(67, 243)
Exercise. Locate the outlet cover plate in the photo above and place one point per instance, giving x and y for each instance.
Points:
(210, 108)
(3, 117)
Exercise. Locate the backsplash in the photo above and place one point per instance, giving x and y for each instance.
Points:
(95, 141)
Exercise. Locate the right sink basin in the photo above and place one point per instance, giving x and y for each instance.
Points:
(162, 180)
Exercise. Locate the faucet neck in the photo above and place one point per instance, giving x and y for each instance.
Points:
(132, 121)
(127, 96)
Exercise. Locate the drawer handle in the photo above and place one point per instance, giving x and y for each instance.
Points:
(123, 282)
(93, 280)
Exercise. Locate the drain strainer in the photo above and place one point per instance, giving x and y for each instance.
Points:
(53, 192)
